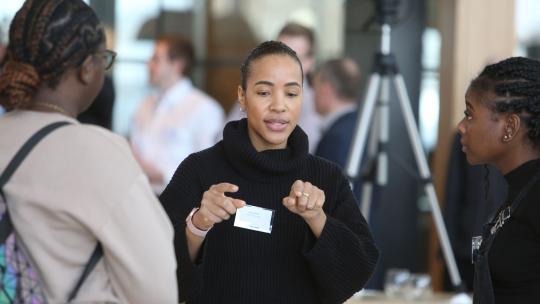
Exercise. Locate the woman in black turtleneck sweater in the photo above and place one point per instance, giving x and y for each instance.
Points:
(502, 127)
(320, 249)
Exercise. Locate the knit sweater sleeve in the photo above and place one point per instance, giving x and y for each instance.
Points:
(344, 257)
(181, 195)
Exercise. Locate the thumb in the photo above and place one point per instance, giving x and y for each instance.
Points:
(238, 203)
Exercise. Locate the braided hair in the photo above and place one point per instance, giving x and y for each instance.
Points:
(515, 82)
(46, 39)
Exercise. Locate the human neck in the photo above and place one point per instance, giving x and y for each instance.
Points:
(517, 158)
(170, 83)
(48, 101)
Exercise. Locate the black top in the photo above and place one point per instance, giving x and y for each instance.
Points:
(289, 265)
(466, 208)
(514, 258)
(100, 111)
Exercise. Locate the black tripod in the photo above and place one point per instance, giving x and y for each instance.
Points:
(385, 70)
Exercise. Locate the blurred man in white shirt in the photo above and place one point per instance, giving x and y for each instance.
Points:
(177, 121)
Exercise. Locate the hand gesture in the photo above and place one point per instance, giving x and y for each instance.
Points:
(305, 200)
(216, 207)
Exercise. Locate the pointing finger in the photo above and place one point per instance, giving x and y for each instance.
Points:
(297, 188)
(224, 187)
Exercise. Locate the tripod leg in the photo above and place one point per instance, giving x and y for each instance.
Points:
(362, 126)
(383, 112)
(426, 176)
(359, 140)
(368, 176)
(377, 156)
(367, 194)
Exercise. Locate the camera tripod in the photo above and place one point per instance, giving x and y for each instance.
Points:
(385, 70)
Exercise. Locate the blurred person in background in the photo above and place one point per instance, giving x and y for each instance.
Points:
(336, 87)
(80, 187)
(100, 113)
(178, 120)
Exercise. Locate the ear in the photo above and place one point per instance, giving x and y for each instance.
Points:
(241, 98)
(86, 70)
(511, 128)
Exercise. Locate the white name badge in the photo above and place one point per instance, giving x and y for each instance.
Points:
(254, 218)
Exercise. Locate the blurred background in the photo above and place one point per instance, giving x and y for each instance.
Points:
(440, 45)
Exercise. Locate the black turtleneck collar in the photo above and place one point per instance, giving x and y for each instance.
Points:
(265, 165)
(519, 177)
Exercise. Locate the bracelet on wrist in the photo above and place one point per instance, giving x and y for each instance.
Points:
(192, 228)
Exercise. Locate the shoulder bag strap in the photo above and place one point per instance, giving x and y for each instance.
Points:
(92, 262)
(5, 224)
(6, 227)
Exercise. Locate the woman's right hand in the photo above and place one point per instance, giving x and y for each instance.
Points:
(216, 206)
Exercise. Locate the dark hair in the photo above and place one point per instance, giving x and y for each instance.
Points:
(295, 29)
(46, 39)
(180, 48)
(343, 75)
(515, 83)
(264, 49)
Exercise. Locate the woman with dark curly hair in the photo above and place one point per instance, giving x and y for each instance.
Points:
(502, 127)
(80, 186)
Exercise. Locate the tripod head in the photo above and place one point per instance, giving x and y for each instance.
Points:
(385, 14)
(386, 11)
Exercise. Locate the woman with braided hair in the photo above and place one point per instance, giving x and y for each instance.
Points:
(80, 186)
(502, 127)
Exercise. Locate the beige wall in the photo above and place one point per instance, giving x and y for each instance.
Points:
(474, 33)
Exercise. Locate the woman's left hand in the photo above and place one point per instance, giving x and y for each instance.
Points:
(305, 199)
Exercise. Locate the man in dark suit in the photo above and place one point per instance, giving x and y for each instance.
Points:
(336, 84)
